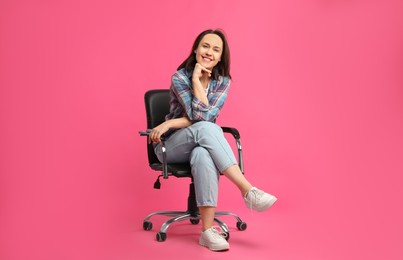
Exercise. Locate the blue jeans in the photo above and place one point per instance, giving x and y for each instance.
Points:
(203, 145)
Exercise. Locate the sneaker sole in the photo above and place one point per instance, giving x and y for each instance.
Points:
(214, 248)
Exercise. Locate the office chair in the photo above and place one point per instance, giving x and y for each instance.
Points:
(157, 106)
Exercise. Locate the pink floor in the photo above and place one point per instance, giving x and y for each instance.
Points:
(316, 225)
(286, 231)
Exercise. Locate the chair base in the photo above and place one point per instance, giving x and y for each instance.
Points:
(191, 214)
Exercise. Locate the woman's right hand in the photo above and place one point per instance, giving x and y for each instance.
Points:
(155, 135)
(200, 71)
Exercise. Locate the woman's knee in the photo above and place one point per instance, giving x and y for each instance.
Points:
(206, 127)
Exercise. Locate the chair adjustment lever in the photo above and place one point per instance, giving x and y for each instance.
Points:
(157, 183)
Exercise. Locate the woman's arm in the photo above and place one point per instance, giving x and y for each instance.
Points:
(200, 72)
(156, 132)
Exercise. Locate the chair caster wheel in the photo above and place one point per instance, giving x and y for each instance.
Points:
(147, 225)
(241, 226)
(161, 237)
(194, 221)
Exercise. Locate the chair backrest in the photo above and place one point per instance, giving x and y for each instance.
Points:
(157, 107)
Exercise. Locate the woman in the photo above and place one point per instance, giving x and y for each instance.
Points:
(198, 92)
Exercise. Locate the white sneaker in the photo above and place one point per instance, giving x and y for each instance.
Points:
(259, 200)
(214, 239)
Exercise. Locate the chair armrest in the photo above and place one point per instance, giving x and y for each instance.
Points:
(237, 136)
(232, 131)
(145, 133)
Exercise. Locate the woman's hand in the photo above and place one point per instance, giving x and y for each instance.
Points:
(200, 74)
(155, 134)
(200, 71)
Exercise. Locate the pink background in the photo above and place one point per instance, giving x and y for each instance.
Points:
(317, 95)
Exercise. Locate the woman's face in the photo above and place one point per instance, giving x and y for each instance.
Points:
(209, 51)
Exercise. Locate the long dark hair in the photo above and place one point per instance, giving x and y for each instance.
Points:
(222, 68)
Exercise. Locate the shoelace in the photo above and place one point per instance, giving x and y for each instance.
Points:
(255, 194)
(217, 231)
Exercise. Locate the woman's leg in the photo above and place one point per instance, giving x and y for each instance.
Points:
(181, 147)
(205, 178)
(207, 214)
(178, 147)
(211, 137)
(234, 174)
(205, 134)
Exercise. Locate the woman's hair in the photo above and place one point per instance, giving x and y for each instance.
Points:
(222, 68)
